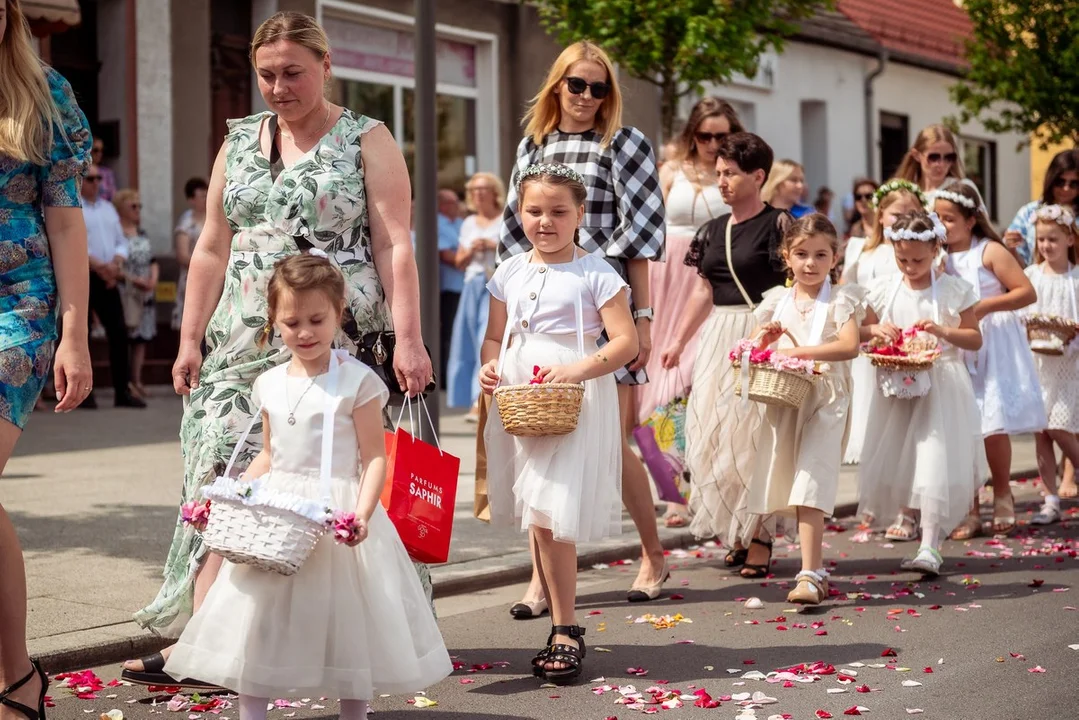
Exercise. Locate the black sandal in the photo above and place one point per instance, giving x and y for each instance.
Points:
(736, 557)
(153, 674)
(565, 654)
(541, 657)
(753, 571)
(26, 710)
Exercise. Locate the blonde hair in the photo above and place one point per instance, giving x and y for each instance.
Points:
(781, 172)
(1071, 230)
(28, 114)
(122, 197)
(295, 27)
(983, 227)
(544, 111)
(910, 169)
(496, 184)
(886, 201)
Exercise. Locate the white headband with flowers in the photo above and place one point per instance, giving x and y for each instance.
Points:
(897, 184)
(960, 199)
(1058, 214)
(938, 232)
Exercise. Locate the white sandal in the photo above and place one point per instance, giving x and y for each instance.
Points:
(927, 562)
(904, 529)
(1048, 515)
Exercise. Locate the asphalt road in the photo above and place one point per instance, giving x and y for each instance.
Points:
(994, 630)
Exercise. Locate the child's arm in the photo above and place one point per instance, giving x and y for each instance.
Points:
(492, 344)
(620, 349)
(844, 347)
(261, 464)
(872, 327)
(967, 336)
(370, 437)
(1000, 261)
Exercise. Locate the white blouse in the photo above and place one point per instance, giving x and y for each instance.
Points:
(483, 261)
(545, 295)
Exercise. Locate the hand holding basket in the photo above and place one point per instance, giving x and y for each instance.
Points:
(771, 378)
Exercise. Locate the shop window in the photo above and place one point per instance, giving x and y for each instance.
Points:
(980, 162)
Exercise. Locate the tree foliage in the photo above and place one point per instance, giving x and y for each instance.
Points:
(679, 44)
(1024, 68)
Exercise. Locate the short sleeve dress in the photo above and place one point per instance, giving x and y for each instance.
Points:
(1058, 374)
(800, 452)
(320, 201)
(624, 212)
(28, 294)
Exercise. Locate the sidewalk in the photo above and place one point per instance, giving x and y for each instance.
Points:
(94, 497)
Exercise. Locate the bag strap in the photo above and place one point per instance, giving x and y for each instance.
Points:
(412, 423)
(730, 265)
(243, 439)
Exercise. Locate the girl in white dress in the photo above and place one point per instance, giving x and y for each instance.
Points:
(1005, 380)
(1056, 281)
(926, 455)
(868, 261)
(800, 452)
(353, 622)
(553, 302)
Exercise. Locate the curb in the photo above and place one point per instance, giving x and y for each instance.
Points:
(113, 651)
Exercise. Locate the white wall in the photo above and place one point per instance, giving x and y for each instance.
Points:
(112, 54)
(809, 73)
(154, 107)
(922, 95)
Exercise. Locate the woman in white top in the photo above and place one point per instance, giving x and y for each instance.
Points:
(485, 196)
(692, 198)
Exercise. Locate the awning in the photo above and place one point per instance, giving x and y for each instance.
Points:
(51, 16)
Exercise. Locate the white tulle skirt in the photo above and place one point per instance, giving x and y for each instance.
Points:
(926, 453)
(353, 623)
(863, 387)
(1005, 378)
(571, 484)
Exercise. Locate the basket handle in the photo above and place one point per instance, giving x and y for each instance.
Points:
(760, 336)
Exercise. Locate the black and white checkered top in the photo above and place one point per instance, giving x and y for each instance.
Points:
(624, 215)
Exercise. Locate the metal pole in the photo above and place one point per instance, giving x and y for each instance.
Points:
(426, 188)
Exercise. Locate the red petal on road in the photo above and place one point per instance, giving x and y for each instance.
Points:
(852, 711)
(823, 714)
(678, 597)
(889, 652)
(862, 689)
(928, 670)
(1036, 583)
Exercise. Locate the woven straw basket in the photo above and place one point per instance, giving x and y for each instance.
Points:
(1049, 329)
(541, 409)
(922, 352)
(268, 538)
(775, 387)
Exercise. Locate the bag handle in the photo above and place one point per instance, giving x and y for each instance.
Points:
(412, 423)
(730, 265)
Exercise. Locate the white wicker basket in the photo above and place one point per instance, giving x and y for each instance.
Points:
(266, 537)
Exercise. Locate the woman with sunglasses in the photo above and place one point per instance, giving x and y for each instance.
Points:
(866, 216)
(692, 197)
(576, 120)
(1060, 187)
(933, 159)
(44, 276)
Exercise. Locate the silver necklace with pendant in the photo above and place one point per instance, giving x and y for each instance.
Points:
(292, 412)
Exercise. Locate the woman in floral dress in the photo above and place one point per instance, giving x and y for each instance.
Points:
(284, 182)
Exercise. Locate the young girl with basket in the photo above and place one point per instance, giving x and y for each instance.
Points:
(553, 302)
(352, 622)
(801, 449)
(926, 455)
(1005, 380)
(1055, 313)
(870, 261)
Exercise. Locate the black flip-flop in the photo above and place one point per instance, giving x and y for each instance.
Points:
(153, 673)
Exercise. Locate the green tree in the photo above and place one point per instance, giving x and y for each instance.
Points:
(679, 44)
(1024, 56)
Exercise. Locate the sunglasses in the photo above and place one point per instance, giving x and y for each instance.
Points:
(92, 178)
(1069, 184)
(136, 206)
(480, 188)
(703, 137)
(866, 197)
(937, 157)
(578, 85)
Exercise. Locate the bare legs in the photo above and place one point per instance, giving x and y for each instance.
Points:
(138, 360)
(998, 451)
(556, 563)
(14, 659)
(811, 537)
(637, 498)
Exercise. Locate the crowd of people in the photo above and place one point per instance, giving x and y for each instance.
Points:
(597, 266)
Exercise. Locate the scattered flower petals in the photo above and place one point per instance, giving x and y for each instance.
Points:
(423, 702)
(1036, 669)
(823, 714)
(911, 683)
(754, 603)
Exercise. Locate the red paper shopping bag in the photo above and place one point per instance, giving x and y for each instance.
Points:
(419, 496)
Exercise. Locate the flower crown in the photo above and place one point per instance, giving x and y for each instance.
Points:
(960, 199)
(938, 232)
(897, 184)
(545, 169)
(1058, 214)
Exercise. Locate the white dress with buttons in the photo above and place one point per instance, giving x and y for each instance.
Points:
(569, 484)
(1003, 372)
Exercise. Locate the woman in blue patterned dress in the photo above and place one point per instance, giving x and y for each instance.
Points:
(44, 273)
(308, 174)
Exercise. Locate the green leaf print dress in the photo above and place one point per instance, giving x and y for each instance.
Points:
(273, 211)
